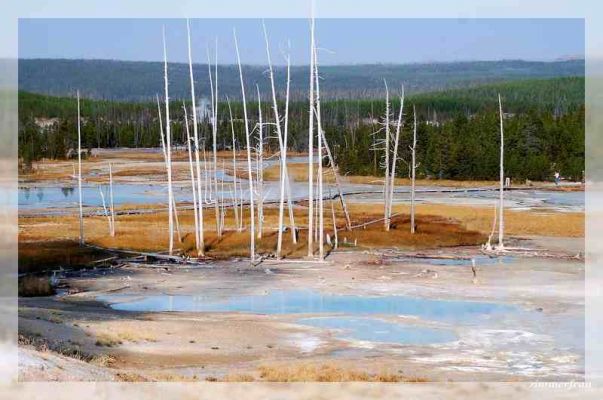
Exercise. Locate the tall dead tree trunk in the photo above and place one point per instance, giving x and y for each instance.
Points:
(414, 168)
(386, 217)
(248, 144)
(283, 150)
(235, 206)
(168, 139)
(100, 190)
(111, 201)
(290, 206)
(192, 171)
(501, 207)
(286, 171)
(321, 253)
(79, 166)
(395, 156)
(335, 237)
(199, 212)
(311, 142)
(214, 131)
(260, 167)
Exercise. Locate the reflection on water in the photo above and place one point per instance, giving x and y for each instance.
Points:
(67, 191)
(131, 193)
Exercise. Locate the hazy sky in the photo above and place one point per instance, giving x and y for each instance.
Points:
(345, 41)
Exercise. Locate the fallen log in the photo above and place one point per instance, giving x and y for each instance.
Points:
(432, 256)
(147, 255)
(535, 253)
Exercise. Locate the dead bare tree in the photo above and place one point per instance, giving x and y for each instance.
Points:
(386, 217)
(79, 166)
(321, 254)
(192, 171)
(413, 171)
(311, 141)
(214, 131)
(335, 237)
(248, 144)
(111, 201)
(395, 159)
(168, 139)
(501, 206)
(199, 213)
(285, 170)
(163, 148)
(235, 205)
(488, 245)
(283, 150)
(100, 190)
(260, 167)
(222, 208)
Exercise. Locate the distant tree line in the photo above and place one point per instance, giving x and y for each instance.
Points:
(140, 81)
(457, 129)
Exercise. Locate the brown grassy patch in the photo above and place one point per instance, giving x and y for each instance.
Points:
(437, 226)
(327, 373)
(149, 232)
(33, 286)
(47, 254)
(570, 224)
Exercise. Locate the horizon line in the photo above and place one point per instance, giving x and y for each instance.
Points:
(460, 61)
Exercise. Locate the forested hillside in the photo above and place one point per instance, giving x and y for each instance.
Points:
(140, 81)
(457, 129)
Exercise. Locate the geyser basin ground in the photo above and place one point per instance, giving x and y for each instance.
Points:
(522, 320)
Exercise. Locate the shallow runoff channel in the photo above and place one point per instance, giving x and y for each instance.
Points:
(58, 196)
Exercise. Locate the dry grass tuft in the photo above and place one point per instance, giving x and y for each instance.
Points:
(102, 360)
(135, 336)
(121, 335)
(106, 340)
(326, 373)
(130, 377)
(168, 377)
(69, 349)
(238, 378)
